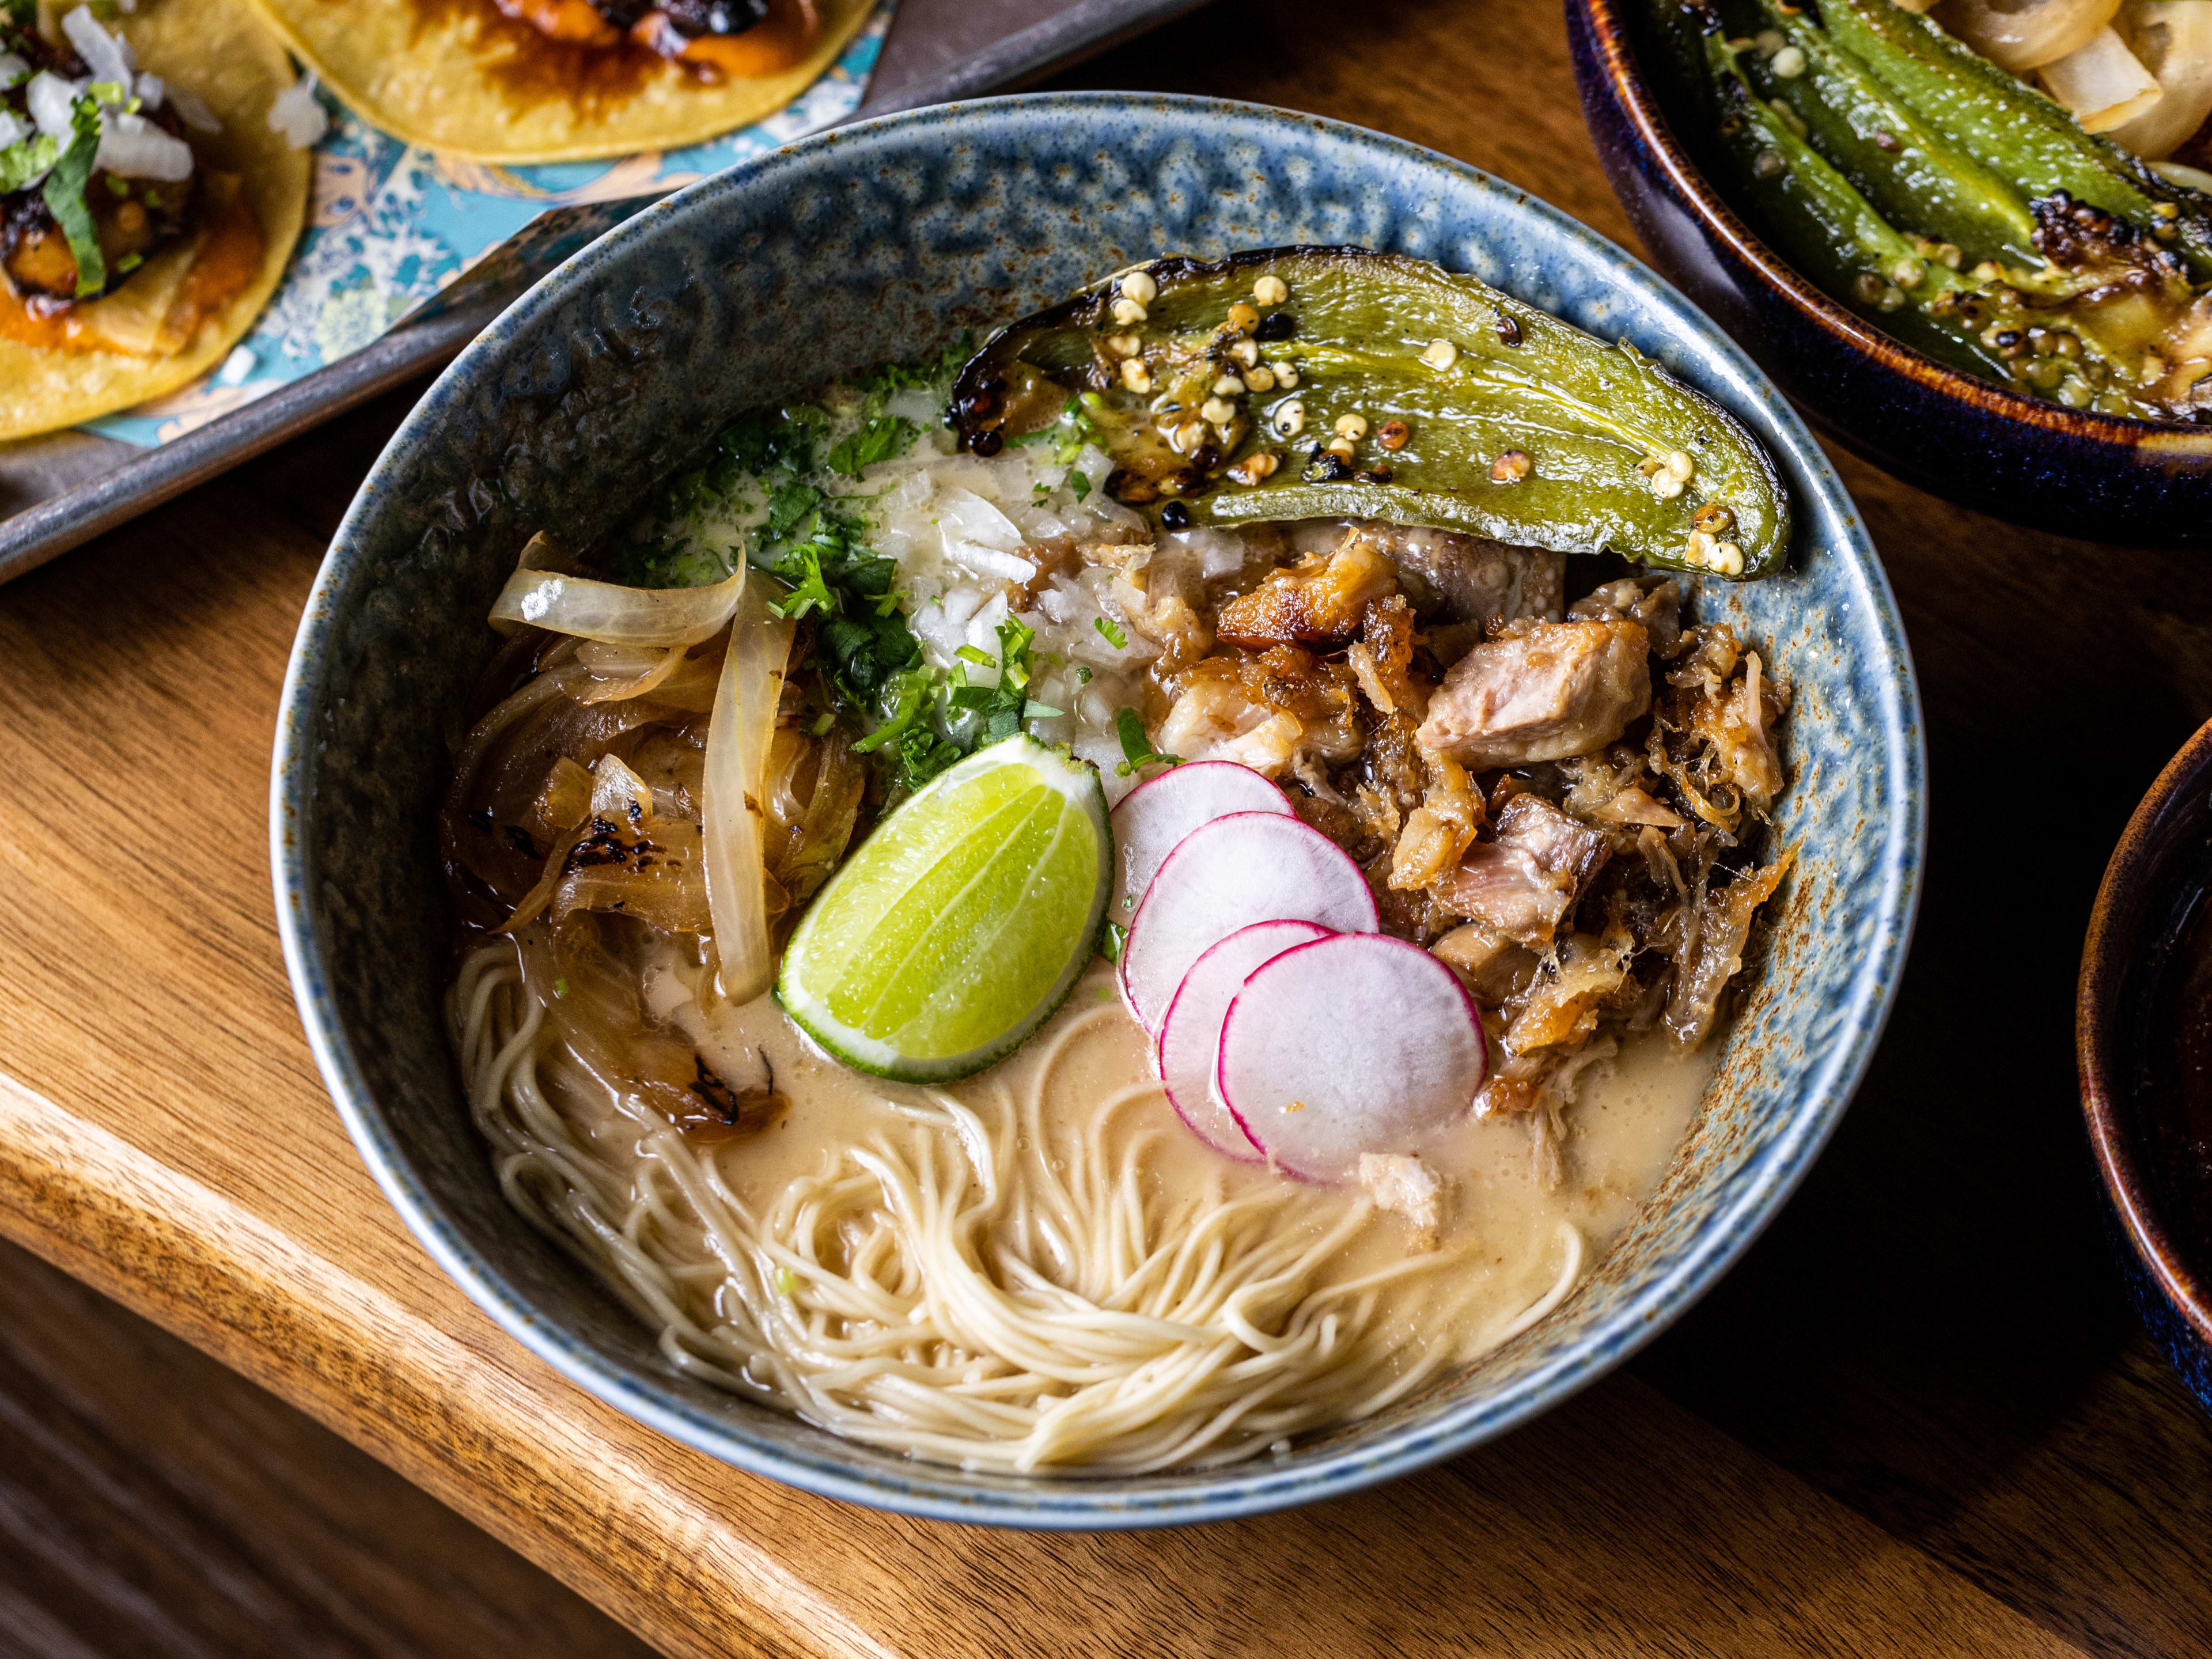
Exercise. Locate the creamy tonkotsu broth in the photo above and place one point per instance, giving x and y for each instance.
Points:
(1041, 1268)
(808, 996)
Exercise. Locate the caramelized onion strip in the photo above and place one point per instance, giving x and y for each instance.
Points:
(611, 613)
(738, 734)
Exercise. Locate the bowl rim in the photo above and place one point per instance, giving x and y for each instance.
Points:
(1623, 70)
(941, 1493)
(2126, 897)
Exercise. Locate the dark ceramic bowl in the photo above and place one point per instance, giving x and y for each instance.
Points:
(883, 240)
(2156, 883)
(2102, 477)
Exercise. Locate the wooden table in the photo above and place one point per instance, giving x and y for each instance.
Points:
(1918, 1418)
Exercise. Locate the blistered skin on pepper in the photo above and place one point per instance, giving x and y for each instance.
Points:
(1383, 387)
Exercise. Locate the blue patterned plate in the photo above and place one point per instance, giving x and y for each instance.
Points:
(885, 240)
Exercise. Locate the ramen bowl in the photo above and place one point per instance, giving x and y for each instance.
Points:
(887, 240)
(2105, 477)
(2147, 925)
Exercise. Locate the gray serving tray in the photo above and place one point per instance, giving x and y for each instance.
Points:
(61, 490)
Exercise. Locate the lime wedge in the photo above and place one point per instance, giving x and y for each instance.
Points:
(962, 923)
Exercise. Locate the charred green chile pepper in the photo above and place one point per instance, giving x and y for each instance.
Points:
(1323, 382)
(1912, 173)
(1833, 230)
(2008, 126)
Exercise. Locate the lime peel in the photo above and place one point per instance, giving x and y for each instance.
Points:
(961, 924)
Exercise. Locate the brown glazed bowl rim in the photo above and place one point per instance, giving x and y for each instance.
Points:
(2122, 927)
(2179, 440)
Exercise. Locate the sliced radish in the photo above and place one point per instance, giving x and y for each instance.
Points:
(1190, 1033)
(1159, 813)
(1357, 1043)
(1228, 874)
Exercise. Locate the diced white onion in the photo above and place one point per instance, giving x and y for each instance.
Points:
(14, 71)
(989, 561)
(2102, 84)
(296, 114)
(107, 58)
(966, 517)
(2172, 39)
(2023, 34)
(134, 148)
(192, 110)
(12, 130)
(50, 99)
(151, 89)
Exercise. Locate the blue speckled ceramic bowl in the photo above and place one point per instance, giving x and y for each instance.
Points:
(885, 239)
(1967, 439)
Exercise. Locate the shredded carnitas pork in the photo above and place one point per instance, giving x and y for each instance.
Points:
(1566, 803)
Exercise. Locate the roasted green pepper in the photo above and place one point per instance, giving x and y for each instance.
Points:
(2008, 126)
(1897, 209)
(1908, 168)
(1330, 382)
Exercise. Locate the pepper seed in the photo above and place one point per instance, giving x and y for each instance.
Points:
(1139, 286)
(1260, 380)
(1351, 426)
(1286, 375)
(1129, 313)
(1290, 419)
(1271, 290)
(1512, 467)
(1440, 354)
(1392, 434)
(1136, 376)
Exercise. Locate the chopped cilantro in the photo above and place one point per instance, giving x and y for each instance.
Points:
(117, 186)
(928, 373)
(1111, 937)
(1111, 631)
(1079, 483)
(969, 654)
(107, 92)
(881, 438)
(1136, 747)
(786, 1281)
(64, 195)
(561, 988)
(26, 158)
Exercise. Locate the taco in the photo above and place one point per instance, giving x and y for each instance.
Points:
(147, 204)
(518, 81)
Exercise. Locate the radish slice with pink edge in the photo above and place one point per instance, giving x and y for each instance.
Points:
(1356, 1043)
(1155, 815)
(1228, 874)
(1190, 1033)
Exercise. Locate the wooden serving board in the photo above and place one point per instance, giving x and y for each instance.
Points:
(1917, 1419)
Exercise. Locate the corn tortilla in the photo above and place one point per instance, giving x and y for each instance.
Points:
(443, 73)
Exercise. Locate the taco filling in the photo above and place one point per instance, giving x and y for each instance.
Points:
(711, 38)
(96, 162)
(149, 199)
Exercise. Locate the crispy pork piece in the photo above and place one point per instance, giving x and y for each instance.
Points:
(1541, 691)
(1457, 578)
(1321, 598)
(1495, 968)
(1657, 605)
(1524, 884)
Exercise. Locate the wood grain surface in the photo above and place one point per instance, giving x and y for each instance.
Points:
(156, 1505)
(1916, 1420)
